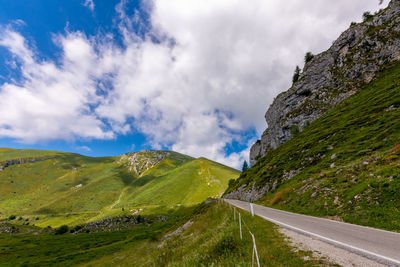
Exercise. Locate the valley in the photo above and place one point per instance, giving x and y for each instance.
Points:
(327, 168)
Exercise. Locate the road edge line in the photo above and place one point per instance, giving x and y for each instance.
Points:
(363, 252)
(368, 254)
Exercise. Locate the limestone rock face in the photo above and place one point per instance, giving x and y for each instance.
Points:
(139, 162)
(250, 195)
(353, 60)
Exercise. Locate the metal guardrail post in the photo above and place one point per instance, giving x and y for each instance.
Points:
(240, 226)
(254, 251)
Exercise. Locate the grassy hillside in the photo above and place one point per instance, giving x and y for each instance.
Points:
(345, 164)
(187, 184)
(212, 240)
(69, 188)
(8, 153)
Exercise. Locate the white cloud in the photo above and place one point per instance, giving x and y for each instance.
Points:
(89, 4)
(50, 102)
(84, 148)
(205, 84)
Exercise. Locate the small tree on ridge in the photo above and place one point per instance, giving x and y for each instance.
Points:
(296, 74)
(245, 166)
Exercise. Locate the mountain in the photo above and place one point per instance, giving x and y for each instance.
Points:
(70, 188)
(352, 61)
(335, 150)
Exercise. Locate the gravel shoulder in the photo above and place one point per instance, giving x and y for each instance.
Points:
(330, 253)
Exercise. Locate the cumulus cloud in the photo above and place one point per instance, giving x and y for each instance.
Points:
(199, 80)
(50, 102)
(89, 4)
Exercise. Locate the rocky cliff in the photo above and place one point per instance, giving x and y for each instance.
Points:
(353, 60)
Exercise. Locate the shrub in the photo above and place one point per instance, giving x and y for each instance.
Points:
(396, 148)
(280, 196)
(154, 237)
(225, 246)
(62, 230)
(231, 182)
(308, 57)
(294, 129)
(367, 16)
(77, 228)
(12, 217)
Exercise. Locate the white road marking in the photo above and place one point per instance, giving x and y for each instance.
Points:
(329, 240)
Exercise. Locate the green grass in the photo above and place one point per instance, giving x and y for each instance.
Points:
(192, 181)
(212, 240)
(361, 138)
(49, 249)
(8, 153)
(73, 189)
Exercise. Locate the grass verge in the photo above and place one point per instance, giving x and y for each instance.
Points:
(211, 240)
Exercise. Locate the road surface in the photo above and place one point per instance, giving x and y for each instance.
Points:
(379, 245)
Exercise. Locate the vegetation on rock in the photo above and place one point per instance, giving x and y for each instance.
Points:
(346, 163)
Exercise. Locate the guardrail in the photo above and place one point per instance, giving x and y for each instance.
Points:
(240, 220)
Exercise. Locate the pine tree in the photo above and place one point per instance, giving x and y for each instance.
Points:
(245, 166)
(296, 74)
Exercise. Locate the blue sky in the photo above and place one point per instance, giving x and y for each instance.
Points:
(107, 77)
(39, 21)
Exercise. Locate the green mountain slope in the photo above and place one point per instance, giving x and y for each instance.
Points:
(187, 184)
(346, 164)
(9, 154)
(70, 188)
(212, 239)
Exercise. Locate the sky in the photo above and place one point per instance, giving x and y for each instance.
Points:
(107, 77)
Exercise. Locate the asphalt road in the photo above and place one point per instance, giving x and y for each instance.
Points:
(379, 245)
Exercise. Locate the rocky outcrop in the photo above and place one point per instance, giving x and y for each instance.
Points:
(176, 232)
(6, 228)
(254, 193)
(8, 163)
(248, 194)
(111, 224)
(353, 60)
(139, 162)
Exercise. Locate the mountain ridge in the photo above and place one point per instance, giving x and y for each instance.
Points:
(332, 144)
(71, 188)
(352, 61)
